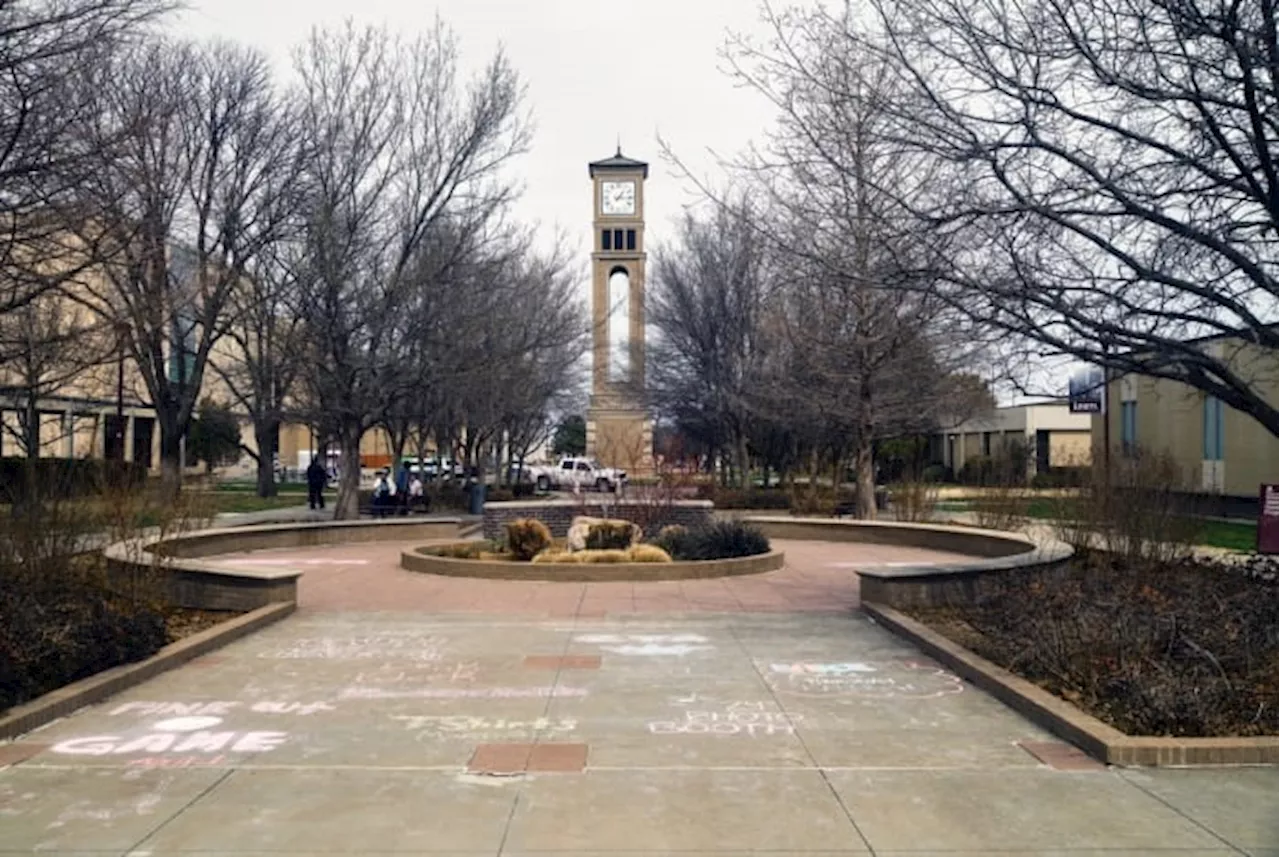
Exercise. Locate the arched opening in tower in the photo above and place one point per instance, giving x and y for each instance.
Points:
(619, 321)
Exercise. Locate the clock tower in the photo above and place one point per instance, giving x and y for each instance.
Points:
(619, 429)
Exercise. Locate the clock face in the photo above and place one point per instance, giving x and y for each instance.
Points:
(617, 197)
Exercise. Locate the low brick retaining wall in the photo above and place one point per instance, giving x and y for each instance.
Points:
(1105, 743)
(569, 572)
(190, 582)
(558, 514)
(927, 585)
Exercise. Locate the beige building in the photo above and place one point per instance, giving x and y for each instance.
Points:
(619, 428)
(1051, 434)
(1217, 449)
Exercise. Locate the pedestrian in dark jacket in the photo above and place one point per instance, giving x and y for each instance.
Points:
(316, 481)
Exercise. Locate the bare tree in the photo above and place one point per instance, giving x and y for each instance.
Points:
(857, 343)
(188, 143)
(401, 145)
(262, 353)
(709, 290)
(48, 48)
(1112, 175)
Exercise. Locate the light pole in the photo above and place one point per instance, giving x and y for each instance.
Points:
(122, 330)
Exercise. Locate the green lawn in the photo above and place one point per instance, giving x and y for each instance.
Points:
(1232, 535)
(238, 501)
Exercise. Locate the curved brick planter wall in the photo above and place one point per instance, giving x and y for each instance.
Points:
(570, 572)
(192, 583)
(557, 514)
(924, 585)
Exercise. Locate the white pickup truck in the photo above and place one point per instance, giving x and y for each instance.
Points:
(577, 473)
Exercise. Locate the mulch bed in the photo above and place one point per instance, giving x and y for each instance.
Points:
(1181, 649)
(182, 622)
(51, 637)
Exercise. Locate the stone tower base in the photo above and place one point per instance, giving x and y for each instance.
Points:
(618, 437)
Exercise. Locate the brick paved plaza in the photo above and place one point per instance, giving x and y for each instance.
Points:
(399, 713)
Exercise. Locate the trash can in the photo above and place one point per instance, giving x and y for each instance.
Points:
(477, 498)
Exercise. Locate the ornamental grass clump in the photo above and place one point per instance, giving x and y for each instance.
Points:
(554, 555)
(647, 553)
(611, 535)
(526, 538)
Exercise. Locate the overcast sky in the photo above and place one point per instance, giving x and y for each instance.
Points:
(595, 71)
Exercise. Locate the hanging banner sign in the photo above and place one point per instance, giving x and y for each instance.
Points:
(1268, 519)
(1085, 391)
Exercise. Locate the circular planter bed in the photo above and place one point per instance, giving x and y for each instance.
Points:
(428, 560)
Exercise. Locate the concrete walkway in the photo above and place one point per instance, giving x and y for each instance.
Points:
(516, 722)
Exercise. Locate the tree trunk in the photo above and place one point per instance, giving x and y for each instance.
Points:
(347, 506)
(864, 466)
(31, 428)
(744, 468)
(264, 434)
(170, 459)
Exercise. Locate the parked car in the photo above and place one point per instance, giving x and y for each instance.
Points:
(577, 472)
(434, 468)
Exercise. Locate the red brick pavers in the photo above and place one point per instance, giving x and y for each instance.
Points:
(818, 577)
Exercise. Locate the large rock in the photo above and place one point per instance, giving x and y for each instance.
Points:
(580, 526)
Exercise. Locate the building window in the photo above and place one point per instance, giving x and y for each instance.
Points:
(617, 239)
(606, 242)
(1212, 429)
(1129, 427)
(986, 443)
(631, 239)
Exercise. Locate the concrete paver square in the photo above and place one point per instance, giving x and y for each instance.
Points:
(352, 811)
(68, 809)
(990, 811)
(1238, 804)
(19, 751)
(1062, 756)
(558, 758)
(500, 758)
(661, 812)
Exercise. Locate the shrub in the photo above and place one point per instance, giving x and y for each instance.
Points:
(718, 540)
(754, 498)
(1061, 477)
(914, 500)
(527, 537)
(935, 473)
(64, 478)
(448, 495)
(1137, 511)
(676, 541)
(610, 535)
(727, 539)
(647, 553)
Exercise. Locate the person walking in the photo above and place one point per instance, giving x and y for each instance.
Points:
(316, 481)
(402, 489)
(384, 492)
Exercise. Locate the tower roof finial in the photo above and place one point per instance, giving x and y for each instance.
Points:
(619, 144)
